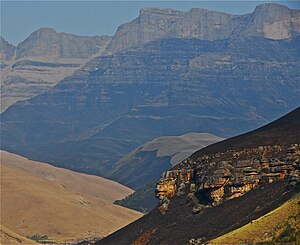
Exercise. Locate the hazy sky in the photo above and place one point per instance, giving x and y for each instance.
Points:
(20, 18)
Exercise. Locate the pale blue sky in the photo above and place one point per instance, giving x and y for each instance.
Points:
(20, 18)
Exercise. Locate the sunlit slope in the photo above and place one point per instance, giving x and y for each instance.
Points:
(282, 225)
(105, 189)
(9, 237)
(40, 200)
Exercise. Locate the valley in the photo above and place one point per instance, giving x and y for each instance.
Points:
(50, 204)
(182, 127)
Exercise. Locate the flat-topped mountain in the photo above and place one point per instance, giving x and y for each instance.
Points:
(49, 44)
(41, 60)
(166, 87)
(270, 20)
(214, 192)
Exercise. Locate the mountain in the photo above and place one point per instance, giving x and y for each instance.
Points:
(210, 194)
(32, 192)
(166, 87)
(41, 60)
(270, 20)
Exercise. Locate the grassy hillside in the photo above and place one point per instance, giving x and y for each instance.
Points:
(280, 226)
(51, 204)
(9, 237)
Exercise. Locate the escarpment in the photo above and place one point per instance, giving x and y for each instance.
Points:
(212, 179)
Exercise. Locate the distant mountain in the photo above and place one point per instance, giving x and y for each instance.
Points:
(41, 60)
(216, 83)
(33, 192)
(156, 156)
(226, 186)
(270, 20)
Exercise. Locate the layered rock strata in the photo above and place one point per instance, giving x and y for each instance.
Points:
(211, 180)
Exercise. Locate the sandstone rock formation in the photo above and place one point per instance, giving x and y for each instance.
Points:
(41, 60)
(212, 180)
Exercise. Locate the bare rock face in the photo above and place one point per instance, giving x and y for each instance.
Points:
(270, 20)
(275, 21)
(152, 24)
(213, 180)
(47, 43)
(7, 50)
(41, 60)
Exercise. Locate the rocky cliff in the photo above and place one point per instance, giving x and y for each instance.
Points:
(271, 21)
(41, 60)
(7, 51)
(210, 194)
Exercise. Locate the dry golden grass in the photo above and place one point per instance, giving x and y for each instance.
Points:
(267, 227)
(38, 199)
(9, 237)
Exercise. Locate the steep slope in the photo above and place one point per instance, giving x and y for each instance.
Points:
(281, 226)
(167, 87)
(41, 60)
(33, 192)
(200, 211)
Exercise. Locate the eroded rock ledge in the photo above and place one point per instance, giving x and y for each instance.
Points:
(210, 179)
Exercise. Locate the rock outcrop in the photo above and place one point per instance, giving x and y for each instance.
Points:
(42, 60)
(211, 180)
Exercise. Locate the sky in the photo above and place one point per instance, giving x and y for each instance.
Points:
(90, 18)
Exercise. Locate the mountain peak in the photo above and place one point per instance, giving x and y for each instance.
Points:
(268, 6)
(45, 30)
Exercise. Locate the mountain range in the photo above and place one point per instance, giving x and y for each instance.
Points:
(225, 75)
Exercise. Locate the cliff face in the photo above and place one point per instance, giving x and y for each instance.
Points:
(7, 51)
(215, 178)
(271, 21)
(48, 44)
(41, 60)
